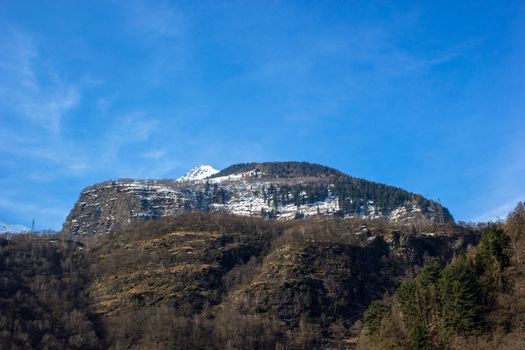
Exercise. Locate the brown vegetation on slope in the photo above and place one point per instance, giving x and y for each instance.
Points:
(252, 283)
(214, 281)
(44, 296)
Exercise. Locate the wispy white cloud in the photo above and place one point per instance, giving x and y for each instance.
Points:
(63, 156)
(132, 128)
(320, 74)
(104, 103)
(37, 95)
(154, 19)
(154, 154)
(507, 184)
(501, 211)
(49, 108)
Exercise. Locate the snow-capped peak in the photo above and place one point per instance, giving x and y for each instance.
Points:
(6, 228)
(198, 173)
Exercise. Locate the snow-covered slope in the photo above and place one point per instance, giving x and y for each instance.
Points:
(282, 191)
(14, 228)
(198, 173)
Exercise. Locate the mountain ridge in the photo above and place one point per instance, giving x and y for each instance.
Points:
(13, 228)
(274, 190)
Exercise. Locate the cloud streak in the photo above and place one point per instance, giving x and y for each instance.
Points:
(37, 95)
(501, 211)
(154, 20)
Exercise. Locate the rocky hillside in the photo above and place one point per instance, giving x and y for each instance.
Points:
(217, 281)
(279, 190)
(209, 281)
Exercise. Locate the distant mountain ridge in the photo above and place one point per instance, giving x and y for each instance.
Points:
(275, 190)
(13, 228)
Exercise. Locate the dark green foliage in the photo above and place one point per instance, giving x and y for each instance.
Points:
(429, 274)
(172, 345)
(407, 299)
(515, 227)
(474, 302)
(420, 339)
(373, 317)
(354, 195)
(281, 169)
(460, 299)
(447, 300)
(429, 300)
(418, 302)
(493, 252)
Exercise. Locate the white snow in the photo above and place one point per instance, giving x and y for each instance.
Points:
(428, 233)
(247, 193)
(233, 177)
(198, 173)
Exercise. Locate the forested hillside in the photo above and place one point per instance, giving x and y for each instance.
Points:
(216, 281)
(44, 295)
(211, 281)
(476, 301)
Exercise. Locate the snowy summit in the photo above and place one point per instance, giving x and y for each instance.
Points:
(198, 173)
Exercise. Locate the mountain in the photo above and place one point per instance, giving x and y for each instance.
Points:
(274, 190)
(13, 228)
(198, 173)
(212, 280)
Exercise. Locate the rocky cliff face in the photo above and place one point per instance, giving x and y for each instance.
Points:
(285, 190)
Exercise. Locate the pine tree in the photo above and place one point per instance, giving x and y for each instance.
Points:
(275, 202)
(460, 299)
(492, 256)
(406, 300)
(373, 317)
(493, 249)
(420, 338)
(516, 229)
(427, 282)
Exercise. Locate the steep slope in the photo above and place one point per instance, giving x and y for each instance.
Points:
(217, 281)
(44, 297)
(475, 301)
(280, 190)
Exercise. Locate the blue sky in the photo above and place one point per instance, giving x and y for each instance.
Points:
(428, 96)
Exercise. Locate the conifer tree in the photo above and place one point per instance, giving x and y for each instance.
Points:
(406, 300)
(516, 229)
(460, 299)
(420, 338)
(373, 317)
(493, 250)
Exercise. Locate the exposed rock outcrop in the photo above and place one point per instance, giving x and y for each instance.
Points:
(284, 190)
